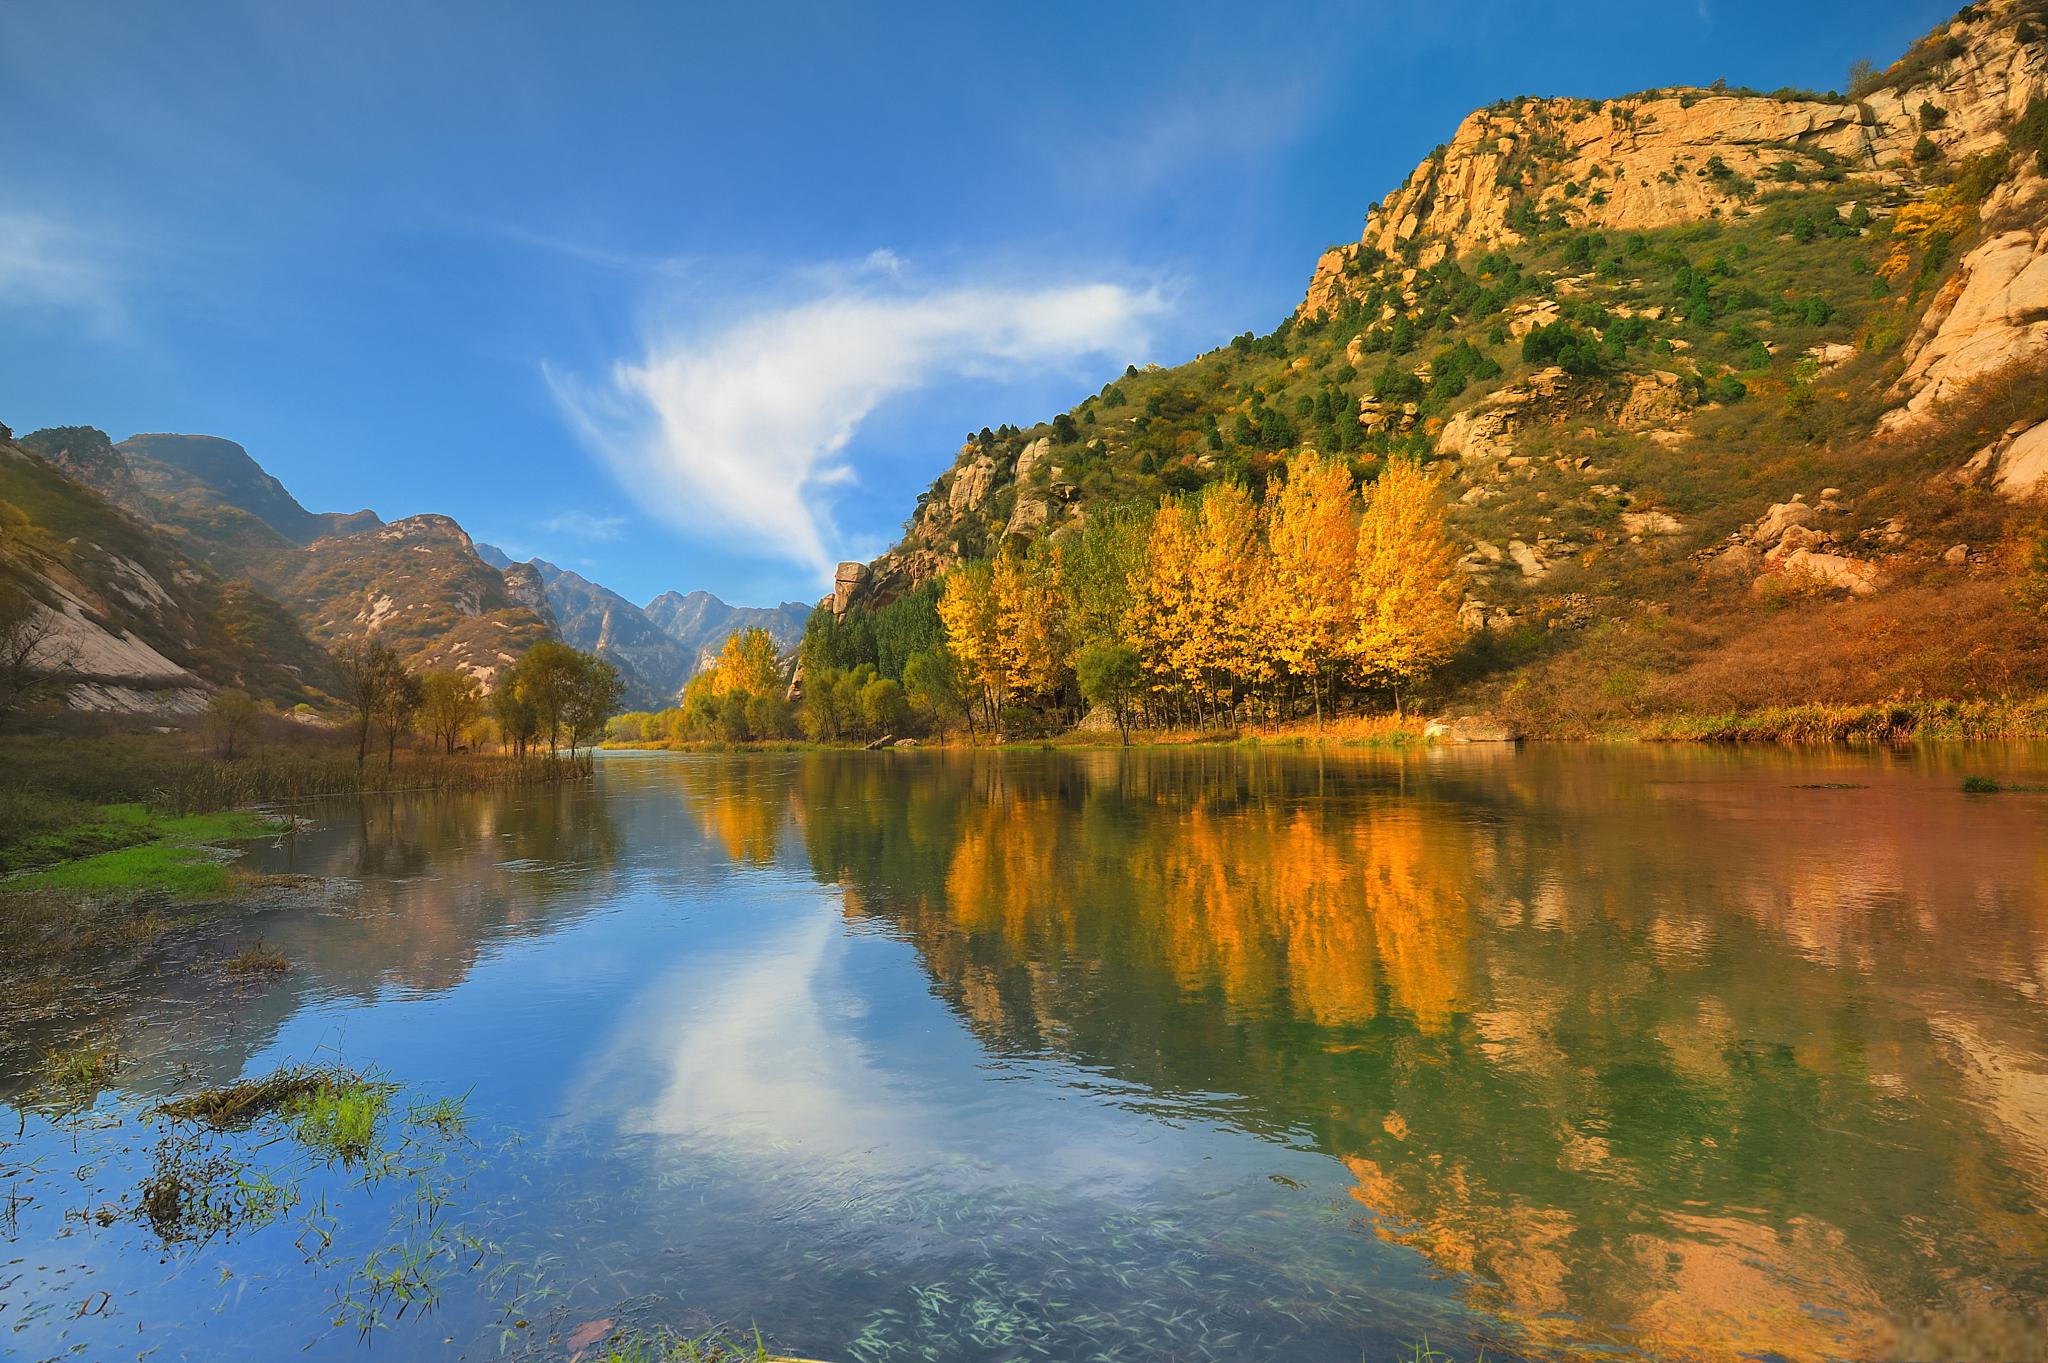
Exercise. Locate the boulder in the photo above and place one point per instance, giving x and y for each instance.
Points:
(1737, 560)
(1782, 517)
(1528, 559)
(1654, 399)
(1651, 523)
(2016, 463)
(1029, 518)
(1470, 729)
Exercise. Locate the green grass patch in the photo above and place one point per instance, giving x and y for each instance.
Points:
(1984, 785)
(150, 853)
(157, 867)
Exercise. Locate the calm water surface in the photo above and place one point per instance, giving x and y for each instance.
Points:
(1212, 1054)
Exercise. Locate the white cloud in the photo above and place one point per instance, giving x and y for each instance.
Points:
(46, 266)
(585, 525)
(740, 433)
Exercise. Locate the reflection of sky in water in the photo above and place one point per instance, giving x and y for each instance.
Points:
(1190, 1055)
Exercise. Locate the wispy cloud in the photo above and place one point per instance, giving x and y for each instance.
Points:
(585, 525)
(47, 266)
(740, 433)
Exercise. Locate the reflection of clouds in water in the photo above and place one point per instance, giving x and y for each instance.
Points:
(757, 1053)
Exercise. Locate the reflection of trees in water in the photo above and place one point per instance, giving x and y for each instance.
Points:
(422, 886)
(444, 875)
(1672, 1047)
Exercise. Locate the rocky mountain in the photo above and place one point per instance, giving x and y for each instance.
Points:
(701, 623)
(1741, 397)
(418, 584)
(656, 649)
(179, 471)
(139, 626)
(599, 620)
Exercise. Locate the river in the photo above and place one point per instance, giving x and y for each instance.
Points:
(1220, 1053)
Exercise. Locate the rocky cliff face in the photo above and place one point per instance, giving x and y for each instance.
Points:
(1757, 382)
(138, 627)
(1669, 157)
(418, 585)
(652, 665)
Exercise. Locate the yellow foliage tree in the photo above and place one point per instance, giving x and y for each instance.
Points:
(1404, 587)
(967, 610)
(1161, 620)
(1312, 543)
(1227, 594)
(748, 664)
(1031, 620)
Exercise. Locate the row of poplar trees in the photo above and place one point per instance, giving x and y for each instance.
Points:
(1221, 604)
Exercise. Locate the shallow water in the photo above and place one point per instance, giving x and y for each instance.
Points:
(1156, 1055)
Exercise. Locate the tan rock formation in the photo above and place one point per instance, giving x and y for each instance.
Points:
(847, 581)
(2016, 463)
(1031, 456)
(1667, 157)
(971, 485)
(1992, 314)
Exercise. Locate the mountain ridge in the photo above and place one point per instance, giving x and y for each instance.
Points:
(1680, 357)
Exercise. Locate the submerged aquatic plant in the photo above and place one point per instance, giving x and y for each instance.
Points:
(195, 1193)
(259, 959)
(663, 1346)
(79, 1071)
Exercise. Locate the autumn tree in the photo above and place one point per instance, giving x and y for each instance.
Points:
(594, 698)
(749, 664)
(967, 609)
(1227, 594)
(1031, 621)
(230, 714)
(1161, 621)
(518, 719)
(450, 701)
(1307, 620)
(369, 670)
(1405, 588)
(397, 706)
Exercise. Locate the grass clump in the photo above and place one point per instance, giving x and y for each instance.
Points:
(663, 1346)
(339, 1119)
(260, 959)
(1984, 785)
(81, 1069)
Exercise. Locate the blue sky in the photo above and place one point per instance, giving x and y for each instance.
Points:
(702, 297)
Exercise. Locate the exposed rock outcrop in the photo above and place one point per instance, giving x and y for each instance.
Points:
(971, 484)
(1801, 543)
(1992, 314)
(2016, 463)
(847, 581)
(1667, 157)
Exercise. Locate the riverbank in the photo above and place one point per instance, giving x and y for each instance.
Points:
(1860, 725)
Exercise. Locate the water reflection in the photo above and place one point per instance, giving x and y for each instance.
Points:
(1207, 1054)
(1690, 1051)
